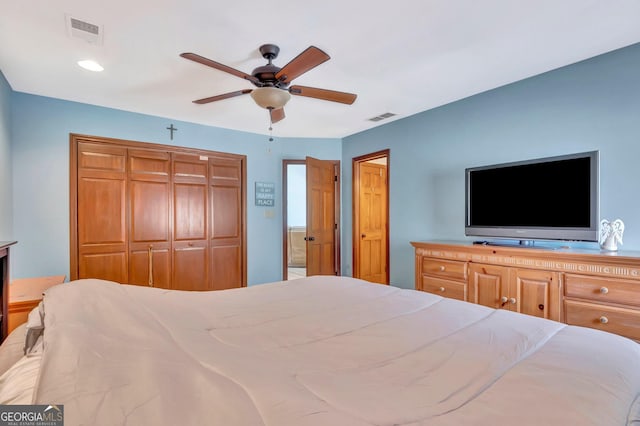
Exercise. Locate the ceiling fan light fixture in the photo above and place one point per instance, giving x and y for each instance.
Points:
(270, 97)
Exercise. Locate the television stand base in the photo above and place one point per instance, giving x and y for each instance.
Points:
(506, 243)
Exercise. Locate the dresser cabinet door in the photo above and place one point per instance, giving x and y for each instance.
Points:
(535, 292)
(488, 285)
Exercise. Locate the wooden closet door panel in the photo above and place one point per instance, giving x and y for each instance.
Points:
(101, 212)
(190, 223)
(150, 218)
(101, 217)
(149, 202)
(190, 266)
(160, 267)
(226, 237)
(190, 212)
(105, 266)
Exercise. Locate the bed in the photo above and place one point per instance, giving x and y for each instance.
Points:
(317, 351)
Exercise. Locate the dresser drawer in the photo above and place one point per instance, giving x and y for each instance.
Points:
(625, 322)
(444, 288)
(599, 289)
(445, 268)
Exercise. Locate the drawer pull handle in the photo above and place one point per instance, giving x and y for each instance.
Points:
(442, 268)
(504, 299)
(512, 300)
(604, 290)
(604, 320)
(441, 289)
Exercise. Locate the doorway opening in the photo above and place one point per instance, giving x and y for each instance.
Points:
(294, 211)
(371, 217)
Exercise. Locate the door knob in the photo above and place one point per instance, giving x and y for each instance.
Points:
(363, 235)
(309, 238)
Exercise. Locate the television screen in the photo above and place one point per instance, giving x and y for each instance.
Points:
(550, 198)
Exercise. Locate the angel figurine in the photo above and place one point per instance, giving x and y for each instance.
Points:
(611, 234)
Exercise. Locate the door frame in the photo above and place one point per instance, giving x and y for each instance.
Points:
(355, 200)
(336, 169)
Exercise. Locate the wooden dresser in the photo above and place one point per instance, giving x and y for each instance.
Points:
(4, 287)
(589, 288)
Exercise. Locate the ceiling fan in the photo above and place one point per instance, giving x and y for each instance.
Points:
(272, 82)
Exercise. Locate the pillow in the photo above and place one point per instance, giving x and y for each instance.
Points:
(35, 328)
(11, 349)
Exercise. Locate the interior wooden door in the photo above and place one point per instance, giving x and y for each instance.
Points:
(149, 180)
(101, 212)
(226, 203)
(190, 241)
(321, 218)
(372, 211)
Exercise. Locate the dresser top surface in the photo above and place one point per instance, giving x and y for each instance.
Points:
(540, 250)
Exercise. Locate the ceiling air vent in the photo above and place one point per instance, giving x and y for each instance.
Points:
(382, 116)
(77, 28)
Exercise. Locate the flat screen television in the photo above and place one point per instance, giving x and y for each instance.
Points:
(554, 198)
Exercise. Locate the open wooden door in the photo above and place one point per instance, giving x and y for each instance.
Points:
(371, 217)
(322, 225)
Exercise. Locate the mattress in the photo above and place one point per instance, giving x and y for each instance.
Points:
(322, 351)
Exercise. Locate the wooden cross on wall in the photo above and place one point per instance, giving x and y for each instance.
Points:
(172, 129)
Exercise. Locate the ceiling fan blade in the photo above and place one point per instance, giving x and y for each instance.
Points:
(310, 58)
(223, 96)
(324, 94)
(276, 114)
(213, 64)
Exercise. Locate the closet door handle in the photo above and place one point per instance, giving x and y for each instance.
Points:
(150, 266)
(309, 238)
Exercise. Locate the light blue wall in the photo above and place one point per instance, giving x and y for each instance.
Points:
(591, 105)
(40, 150)
(6, 233)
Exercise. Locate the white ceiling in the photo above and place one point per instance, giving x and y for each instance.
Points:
(403, 57)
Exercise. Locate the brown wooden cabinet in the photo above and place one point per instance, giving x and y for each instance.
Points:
(528, 291)
(157, 215)
(4, 287)
(580, 287)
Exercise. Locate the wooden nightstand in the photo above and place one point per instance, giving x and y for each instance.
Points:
(25, 294)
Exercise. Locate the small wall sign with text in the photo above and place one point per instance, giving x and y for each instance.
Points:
(265, 194)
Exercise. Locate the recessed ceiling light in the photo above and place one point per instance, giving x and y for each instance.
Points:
(91, 65)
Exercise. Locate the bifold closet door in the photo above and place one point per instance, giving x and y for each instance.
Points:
(149, 218)
(190, 227)
(227, 231)
(101, 214)
(156, 215)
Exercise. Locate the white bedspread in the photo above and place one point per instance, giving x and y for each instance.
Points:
(323, 351)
